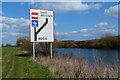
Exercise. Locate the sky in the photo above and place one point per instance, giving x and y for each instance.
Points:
(72, 20)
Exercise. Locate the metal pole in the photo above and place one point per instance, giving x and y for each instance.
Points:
(51, 50)
(33, 50)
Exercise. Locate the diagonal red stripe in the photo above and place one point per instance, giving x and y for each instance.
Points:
(34, 17)
(33, 13)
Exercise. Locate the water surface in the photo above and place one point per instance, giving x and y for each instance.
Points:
(107, 56)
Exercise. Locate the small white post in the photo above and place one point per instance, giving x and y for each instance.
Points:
(33, 50)
(51, 50)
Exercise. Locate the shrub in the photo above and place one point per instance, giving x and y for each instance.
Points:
(24, 44)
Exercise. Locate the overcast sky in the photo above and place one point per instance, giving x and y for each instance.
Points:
(73, 20)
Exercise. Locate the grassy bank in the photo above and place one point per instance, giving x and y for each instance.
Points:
(16, 64)
(78, 68)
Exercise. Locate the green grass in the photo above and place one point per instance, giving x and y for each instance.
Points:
(21, 66)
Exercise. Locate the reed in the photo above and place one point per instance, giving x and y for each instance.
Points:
(78, 68)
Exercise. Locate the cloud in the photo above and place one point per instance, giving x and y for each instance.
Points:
(97, 31)
(1, 26)
(4, 27)
(69, 6)
(102, 24)
(72, 35)
(112, 11)
(15, 24)
(72, 32)
(1, 12)
(88, 35)
(8, 20)
(13, 28)
(83, 30)
(22, 3)
(12, 34)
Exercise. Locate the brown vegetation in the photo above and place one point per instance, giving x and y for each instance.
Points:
(78, 68)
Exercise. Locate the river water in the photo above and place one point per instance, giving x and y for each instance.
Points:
(107, 56)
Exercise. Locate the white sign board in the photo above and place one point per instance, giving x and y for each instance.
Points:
(41, 25)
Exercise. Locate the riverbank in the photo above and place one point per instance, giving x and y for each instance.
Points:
(78, 68)
(17, 64)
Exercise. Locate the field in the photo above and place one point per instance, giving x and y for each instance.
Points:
(16, 64)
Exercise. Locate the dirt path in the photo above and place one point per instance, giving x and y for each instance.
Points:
(10, 70)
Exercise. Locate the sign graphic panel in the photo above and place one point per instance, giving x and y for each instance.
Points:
(41, 25)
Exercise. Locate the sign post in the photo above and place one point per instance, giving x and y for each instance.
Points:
(41, 27)
(33, 50)
(51, 50)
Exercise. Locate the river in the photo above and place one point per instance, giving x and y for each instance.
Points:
(107, 56)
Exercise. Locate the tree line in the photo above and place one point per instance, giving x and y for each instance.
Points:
(108, 42)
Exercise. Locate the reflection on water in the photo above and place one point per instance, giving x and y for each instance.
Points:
(107, 56)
